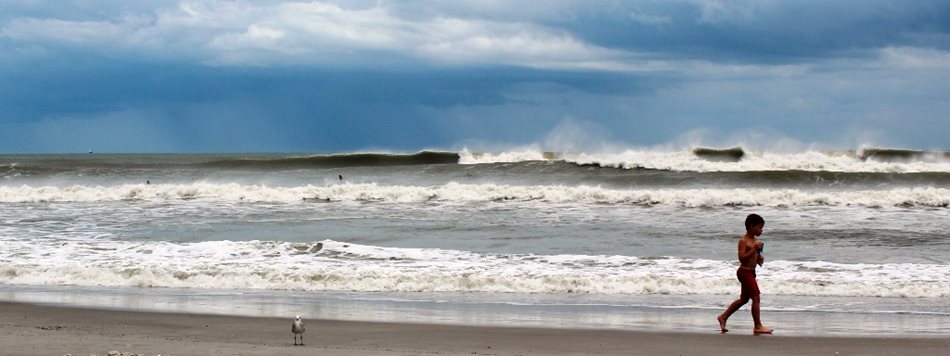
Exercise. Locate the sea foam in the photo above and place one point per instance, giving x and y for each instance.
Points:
(339, 266)
(475, 193)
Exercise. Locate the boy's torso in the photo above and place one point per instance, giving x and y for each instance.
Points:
(749, 244)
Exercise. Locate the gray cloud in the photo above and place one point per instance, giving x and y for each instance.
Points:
(236, 33)
(571, 35)
(278, 75)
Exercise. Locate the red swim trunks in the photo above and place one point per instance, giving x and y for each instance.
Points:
(746, 276)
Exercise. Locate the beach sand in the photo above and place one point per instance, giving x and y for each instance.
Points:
(29, 329)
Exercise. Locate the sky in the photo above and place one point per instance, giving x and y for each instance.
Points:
(404, 76)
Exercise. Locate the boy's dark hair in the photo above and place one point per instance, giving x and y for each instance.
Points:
(753, 220)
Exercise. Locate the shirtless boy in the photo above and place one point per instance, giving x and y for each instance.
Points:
(749, 256)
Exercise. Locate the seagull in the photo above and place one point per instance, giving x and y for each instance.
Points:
(298, 329)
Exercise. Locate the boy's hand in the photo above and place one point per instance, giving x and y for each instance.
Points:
(760, 260)
(759, 244)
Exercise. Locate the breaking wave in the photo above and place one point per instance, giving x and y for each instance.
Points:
(736, 159)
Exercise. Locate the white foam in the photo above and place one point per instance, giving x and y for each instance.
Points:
(455, 192)
(337, 266)
(466, 157)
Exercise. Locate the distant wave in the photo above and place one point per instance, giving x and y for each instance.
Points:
(339, 266)
(106, 164)
(699, 159)
(735, 159)
(455, 192)
(339, 160)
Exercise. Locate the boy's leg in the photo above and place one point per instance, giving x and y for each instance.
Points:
(757, 318)
(738, 303)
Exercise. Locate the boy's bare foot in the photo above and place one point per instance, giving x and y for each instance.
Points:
(762, 330)
(722, 323)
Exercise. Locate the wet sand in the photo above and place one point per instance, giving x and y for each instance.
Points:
(29, 329)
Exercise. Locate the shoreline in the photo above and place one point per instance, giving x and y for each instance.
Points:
(603, 312)
(37, 329)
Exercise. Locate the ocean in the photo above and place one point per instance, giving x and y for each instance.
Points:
(856, 242)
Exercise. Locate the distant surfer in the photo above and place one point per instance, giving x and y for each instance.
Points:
(750, 255)
(147, 182)
(341, 177)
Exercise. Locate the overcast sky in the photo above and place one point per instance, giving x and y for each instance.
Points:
(343, 76)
